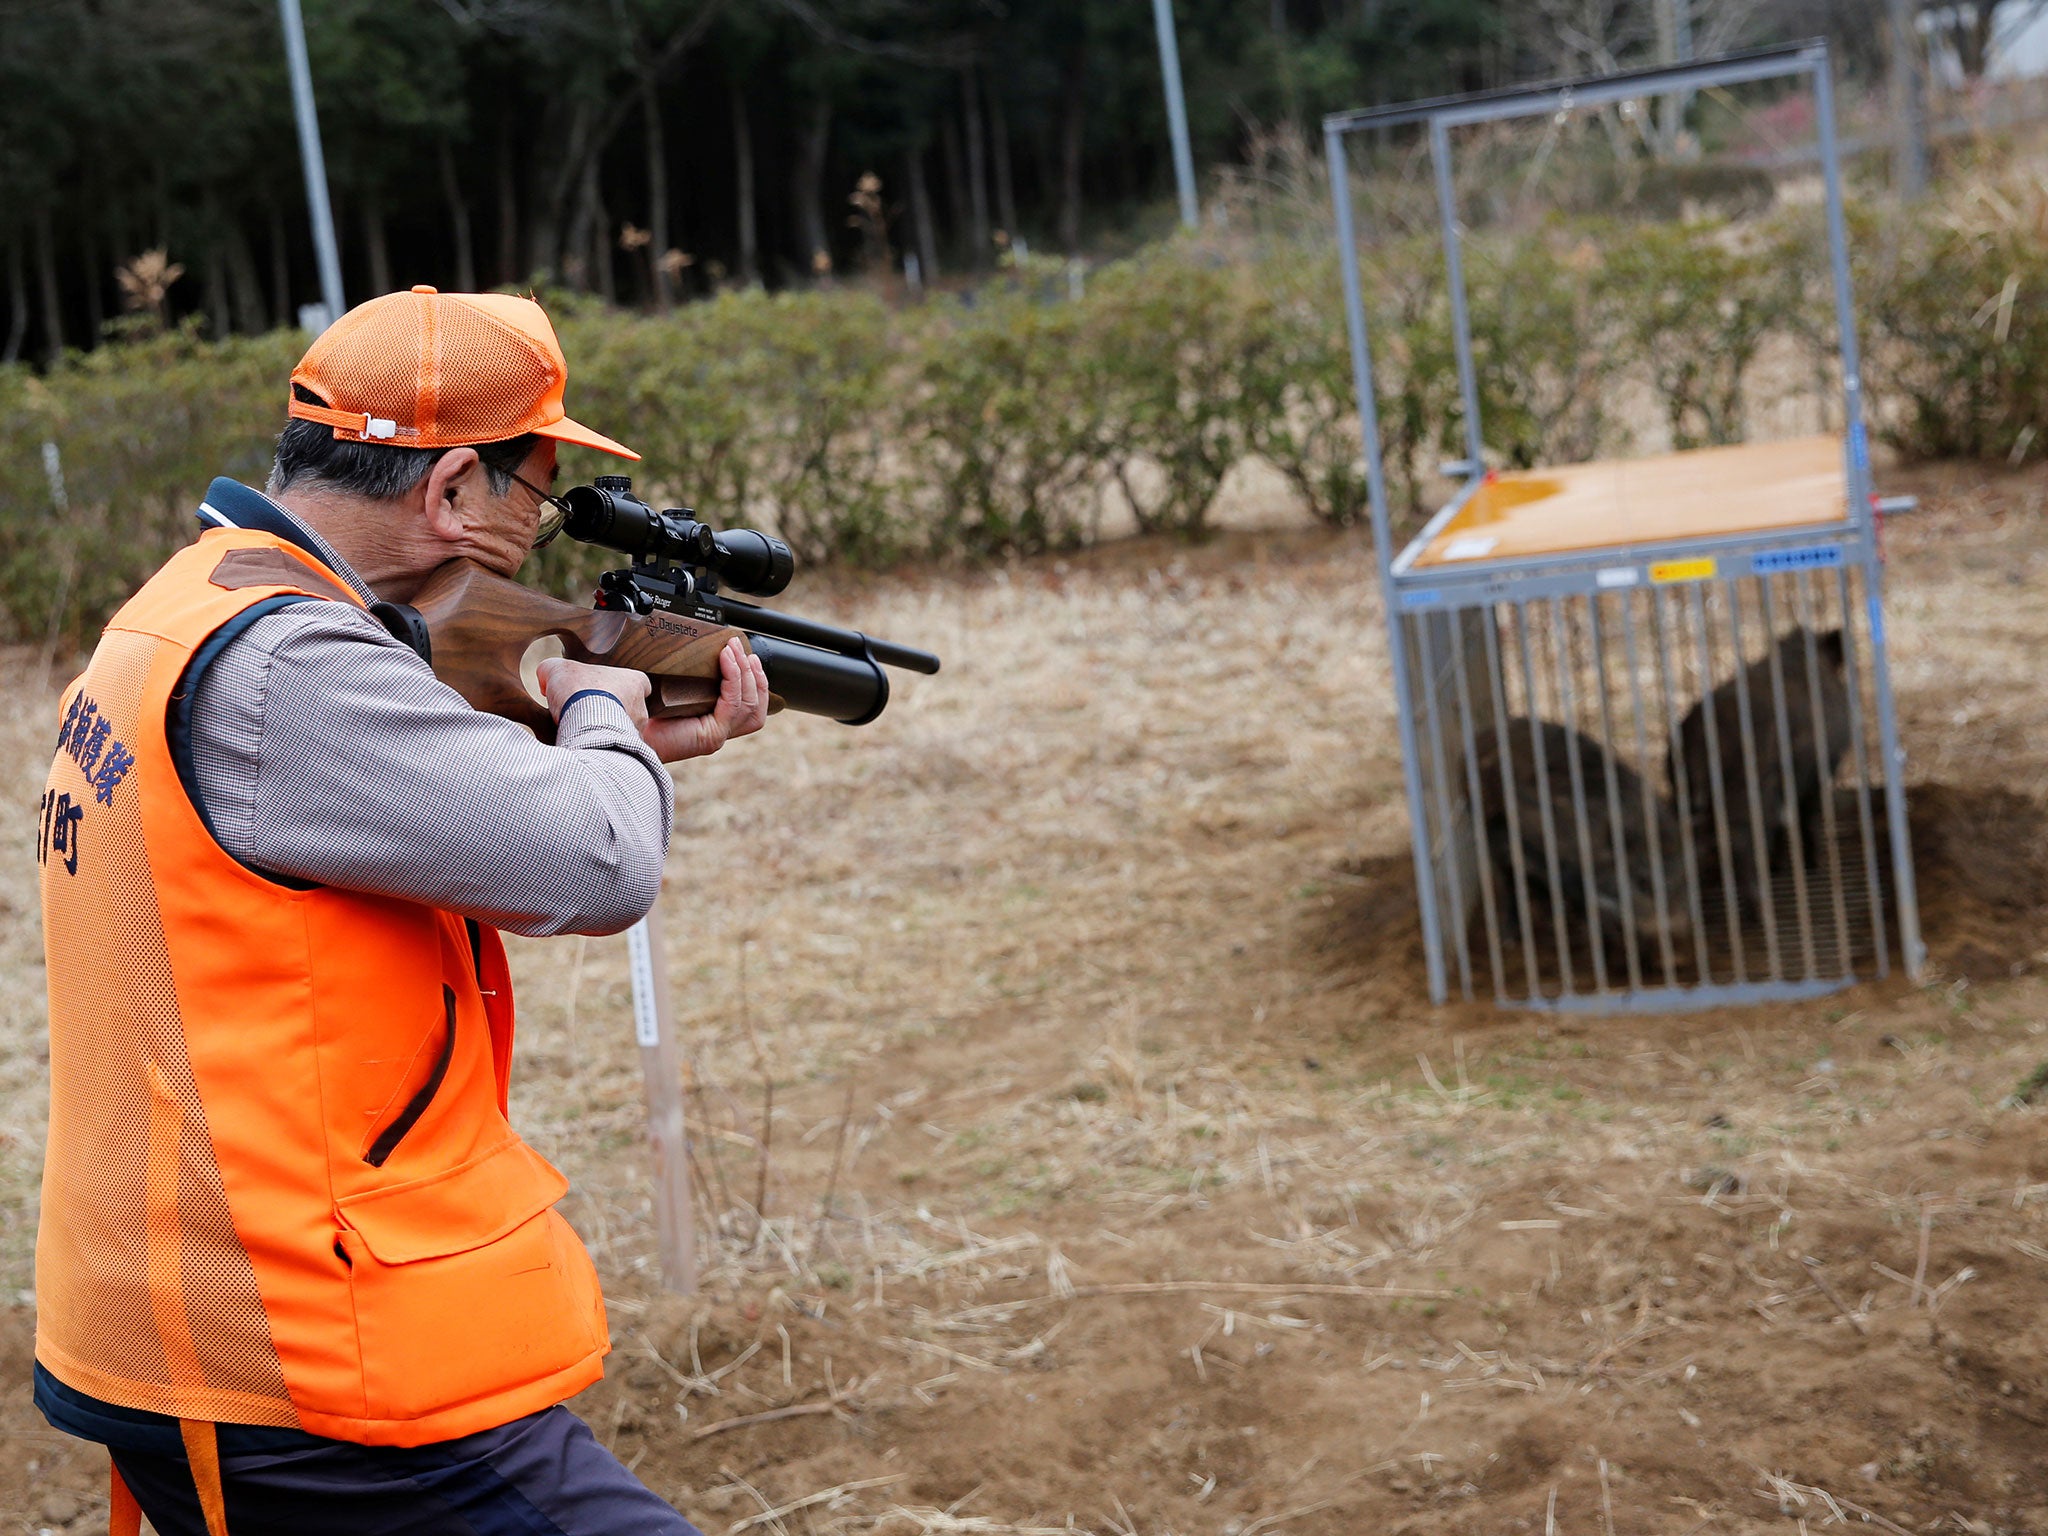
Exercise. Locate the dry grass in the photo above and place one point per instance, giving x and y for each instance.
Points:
(1116, 1179)
(27, 733)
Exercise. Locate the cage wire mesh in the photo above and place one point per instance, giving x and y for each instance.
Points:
(1648, 736)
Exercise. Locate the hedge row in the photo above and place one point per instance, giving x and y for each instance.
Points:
(1009, 422)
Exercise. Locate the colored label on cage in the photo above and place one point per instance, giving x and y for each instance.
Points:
(1617, 576)
(1421, 599)
(1682, 570)
(1471, 546)
(1859, 448)
(1806, 558)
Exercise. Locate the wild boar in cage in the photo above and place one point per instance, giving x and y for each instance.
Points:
(1757, 760)
(1655, 792)
(1579, 844)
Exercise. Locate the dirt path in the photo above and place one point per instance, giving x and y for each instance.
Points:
(1119, 1180)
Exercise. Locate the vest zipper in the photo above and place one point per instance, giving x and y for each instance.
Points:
(388, 1139)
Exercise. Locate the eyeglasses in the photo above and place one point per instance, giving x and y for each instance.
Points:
(555, 511)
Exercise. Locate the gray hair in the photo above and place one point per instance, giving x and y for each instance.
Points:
(308, 451)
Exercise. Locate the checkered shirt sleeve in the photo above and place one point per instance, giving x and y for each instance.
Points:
(327, 751)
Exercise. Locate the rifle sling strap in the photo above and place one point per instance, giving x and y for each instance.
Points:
(406, 626)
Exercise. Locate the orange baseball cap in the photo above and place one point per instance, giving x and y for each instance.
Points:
(442, 370)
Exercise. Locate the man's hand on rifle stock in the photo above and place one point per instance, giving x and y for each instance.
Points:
(741, 710)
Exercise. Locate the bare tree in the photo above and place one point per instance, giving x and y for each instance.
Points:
(1590, 37)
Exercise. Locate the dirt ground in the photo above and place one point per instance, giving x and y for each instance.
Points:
(1077, 1150)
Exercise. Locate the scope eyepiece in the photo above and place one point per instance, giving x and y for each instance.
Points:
(607, 512)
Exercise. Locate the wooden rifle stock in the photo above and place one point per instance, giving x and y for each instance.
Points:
(481, 625)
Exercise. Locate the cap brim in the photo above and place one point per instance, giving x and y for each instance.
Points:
(567, 431)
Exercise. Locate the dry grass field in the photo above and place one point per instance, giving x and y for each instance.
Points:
(1077, 1150)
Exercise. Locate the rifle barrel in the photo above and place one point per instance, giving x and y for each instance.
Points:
(757, 620)
(815, 681)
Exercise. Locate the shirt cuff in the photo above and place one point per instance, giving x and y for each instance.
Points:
(592, 709)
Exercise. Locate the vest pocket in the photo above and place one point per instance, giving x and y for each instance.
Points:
(387, 1140)
(466, 1284)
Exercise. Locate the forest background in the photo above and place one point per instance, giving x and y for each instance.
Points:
(651, 150)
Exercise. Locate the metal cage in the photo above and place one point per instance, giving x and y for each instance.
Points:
(1645, 767)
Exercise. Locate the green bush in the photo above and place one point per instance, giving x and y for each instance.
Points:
(1547, 343)
(995, 424)
(1958, 333)
(1003, 421)
(755, 406)
(1415, 372)
(1295, 372)
(1699, 308)
(1167, 335)
(140, 430)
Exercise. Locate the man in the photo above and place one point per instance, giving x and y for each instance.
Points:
(295, 1269)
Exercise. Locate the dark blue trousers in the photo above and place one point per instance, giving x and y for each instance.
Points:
(544, 1475)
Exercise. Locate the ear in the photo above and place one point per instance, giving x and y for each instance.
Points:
(443, 493)
(1831, 648)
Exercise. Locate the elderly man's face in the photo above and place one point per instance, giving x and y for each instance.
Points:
(505, 526)
(539, 470)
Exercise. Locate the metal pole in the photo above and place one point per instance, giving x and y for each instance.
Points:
(1912, 950)
(1383, 549)
(1909, 102)
(1461, 317)
(1176, 113)
(654, 1027)
(1856, 447)
(314, 162)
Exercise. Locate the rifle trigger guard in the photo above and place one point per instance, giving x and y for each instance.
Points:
(406, 627)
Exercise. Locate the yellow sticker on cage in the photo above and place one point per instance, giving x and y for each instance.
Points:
(1681, 570)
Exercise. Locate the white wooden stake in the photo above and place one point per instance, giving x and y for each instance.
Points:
(654, 1027)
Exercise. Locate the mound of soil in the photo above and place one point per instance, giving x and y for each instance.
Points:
(1980, 858)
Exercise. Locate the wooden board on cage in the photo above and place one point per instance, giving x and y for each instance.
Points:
(1699, 493)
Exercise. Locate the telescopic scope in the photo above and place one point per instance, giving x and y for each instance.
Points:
(607, 512)
(813, 668)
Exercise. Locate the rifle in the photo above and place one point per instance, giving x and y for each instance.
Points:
(663, 615)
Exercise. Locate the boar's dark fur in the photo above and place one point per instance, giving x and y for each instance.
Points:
(1817, 723)
(1560, 744)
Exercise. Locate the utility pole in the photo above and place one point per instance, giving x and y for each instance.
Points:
(311, 158)
(1176, 113)
(1909, 102)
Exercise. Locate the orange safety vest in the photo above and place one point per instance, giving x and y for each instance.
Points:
(281, 1187)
